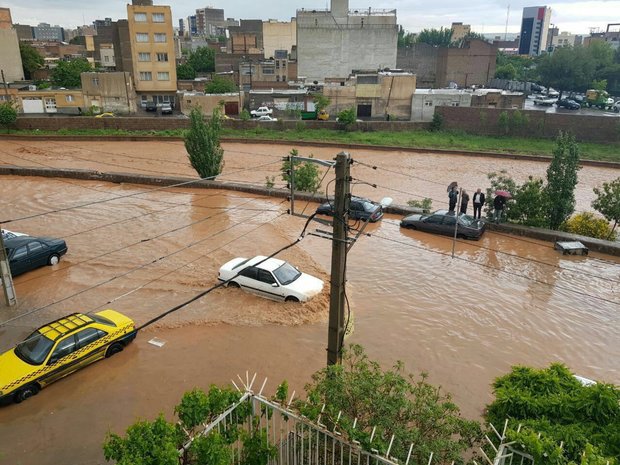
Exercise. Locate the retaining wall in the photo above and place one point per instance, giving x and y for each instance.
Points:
(596, 245)
(530, 123)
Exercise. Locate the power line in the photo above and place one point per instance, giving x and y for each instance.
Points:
(498, 269)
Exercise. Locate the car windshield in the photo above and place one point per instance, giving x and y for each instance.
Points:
(286, 274)
(34, 349)
(369, 207)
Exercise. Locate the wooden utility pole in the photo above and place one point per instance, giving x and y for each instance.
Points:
(5, 276)
(342, 198)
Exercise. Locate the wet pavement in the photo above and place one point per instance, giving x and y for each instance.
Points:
(502, 301)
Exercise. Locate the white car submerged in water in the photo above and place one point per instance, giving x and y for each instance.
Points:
(271, 278)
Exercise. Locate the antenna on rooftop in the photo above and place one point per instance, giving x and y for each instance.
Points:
(507, 17)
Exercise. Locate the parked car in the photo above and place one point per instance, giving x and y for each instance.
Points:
(151, 106)
(443, 222)
(274, 279)
(166, 109)
(6, 234)
(261, 111)
(568, 104)
(266, 118)
(359, 209)
(616, 107)
(58, 349)
(544, 100)
(27, 253)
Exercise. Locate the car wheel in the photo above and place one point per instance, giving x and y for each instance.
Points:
(115, 348)
(26, 392)
(53, 260)
(234, 284)
(291, 298)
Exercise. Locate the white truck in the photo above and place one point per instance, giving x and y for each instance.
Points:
(262, 111)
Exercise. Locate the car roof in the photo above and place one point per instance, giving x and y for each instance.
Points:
(18, 241)
(65, 325)
(270, 264)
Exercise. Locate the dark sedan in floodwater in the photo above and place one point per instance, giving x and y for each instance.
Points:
(26, 253)
(443, 222)
(359, 209)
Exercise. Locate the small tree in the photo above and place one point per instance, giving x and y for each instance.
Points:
(608, 202)
(245, 115)
(31, 59)
(67, 73)
(202, 142)
(307, 175)
(321, 102)
(8, 115)
(220, 85)
(437, 122)
(185, 71)
(529, 206)
(347, 117)
(202, 60)
(562, 179)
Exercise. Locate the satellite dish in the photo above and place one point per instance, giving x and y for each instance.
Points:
(386, 201)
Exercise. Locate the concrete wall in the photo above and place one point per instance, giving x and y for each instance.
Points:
(208, 102)
(10, 58)
(420, 59)
(473, 64)
(423, 104)
(539, 124)
(279, 35)
(112, 92)
(333, 47)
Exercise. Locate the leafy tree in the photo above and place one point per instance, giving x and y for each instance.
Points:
(562, 179)
(567, 68)
(307, 175)
(436, 37)
(552, 407)
(524, 66)
(202, 60)
(31, 59)
(202, 142)
(506, 72)
(529, 206)
(347, 117)
(405, 39)
(220, 85)
(499, 181)
(320, 102)
(437, 122)
(185, 71)
(608, 202)
(245, 115)
(8, 115)
(67, 73)
(394, 402)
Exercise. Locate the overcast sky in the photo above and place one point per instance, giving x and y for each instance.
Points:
(485, 16)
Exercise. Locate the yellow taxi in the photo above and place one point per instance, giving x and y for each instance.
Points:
(59, 348)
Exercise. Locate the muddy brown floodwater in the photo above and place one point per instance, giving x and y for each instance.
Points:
(502, 301)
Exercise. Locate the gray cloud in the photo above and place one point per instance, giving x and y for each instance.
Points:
(484, 15)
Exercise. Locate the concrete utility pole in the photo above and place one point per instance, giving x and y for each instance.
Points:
(5, 276)
(335, 335)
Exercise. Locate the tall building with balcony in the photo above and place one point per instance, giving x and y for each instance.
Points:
(152, 54)
(210, 21)
(534, 30)
(334, 42)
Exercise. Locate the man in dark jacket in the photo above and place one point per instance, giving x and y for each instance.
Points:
(453, 196)
(478, 203)
(498, 206)
(464, 201)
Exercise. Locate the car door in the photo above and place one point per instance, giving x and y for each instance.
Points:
(269, 287)
(248, 279)
(447, 226)
(432, 223)
(18, 262)
(86, 345)
(61, 360)
(37, 254)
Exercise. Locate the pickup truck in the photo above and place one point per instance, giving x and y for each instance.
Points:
(545, 101)
(310, 115)
(262, 111)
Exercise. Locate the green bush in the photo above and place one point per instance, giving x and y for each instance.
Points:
(586, 224)
(437, 122)
(307, 174)
(425, 204)
(8, 115)
(245, 115)
(347, 117)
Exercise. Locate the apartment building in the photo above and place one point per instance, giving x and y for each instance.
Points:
(151, 49)
(534, 30)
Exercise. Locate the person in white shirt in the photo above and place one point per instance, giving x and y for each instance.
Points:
(478, 203)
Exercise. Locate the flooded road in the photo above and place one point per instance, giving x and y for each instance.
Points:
(502, 301)
(400, 175)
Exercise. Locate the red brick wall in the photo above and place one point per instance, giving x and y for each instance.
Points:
(486, 121)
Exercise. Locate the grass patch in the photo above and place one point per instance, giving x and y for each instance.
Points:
(404, 139)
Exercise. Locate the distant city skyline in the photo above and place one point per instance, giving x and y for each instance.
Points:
(487, 17)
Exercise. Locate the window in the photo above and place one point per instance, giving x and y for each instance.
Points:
(146, 76)
(158, 17)
(69, 98)
(34, 349)
(50, 104)
(163, 76)
(144, 56)
(34, 247)
(454, 104)
(64, 348)
(95, 81)
(162, 57)
(139, 17)
(106, 59)
(88, 335)
(19, 253)
(142, 37)
(159, 37)
(249, 272)
(435, 219)
(428, 103)
(286, 274)
(265, 276)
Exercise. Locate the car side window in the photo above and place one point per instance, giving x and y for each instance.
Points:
(20, 253)
(449, 220)
(435, 219)
(64, 348)
(89, 335)
(34, 247)
(249, 272)
(266, 277)
(356, 206)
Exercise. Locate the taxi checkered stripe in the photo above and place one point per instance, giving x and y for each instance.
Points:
(71, 357)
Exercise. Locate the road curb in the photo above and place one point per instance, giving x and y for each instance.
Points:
(595, 245)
